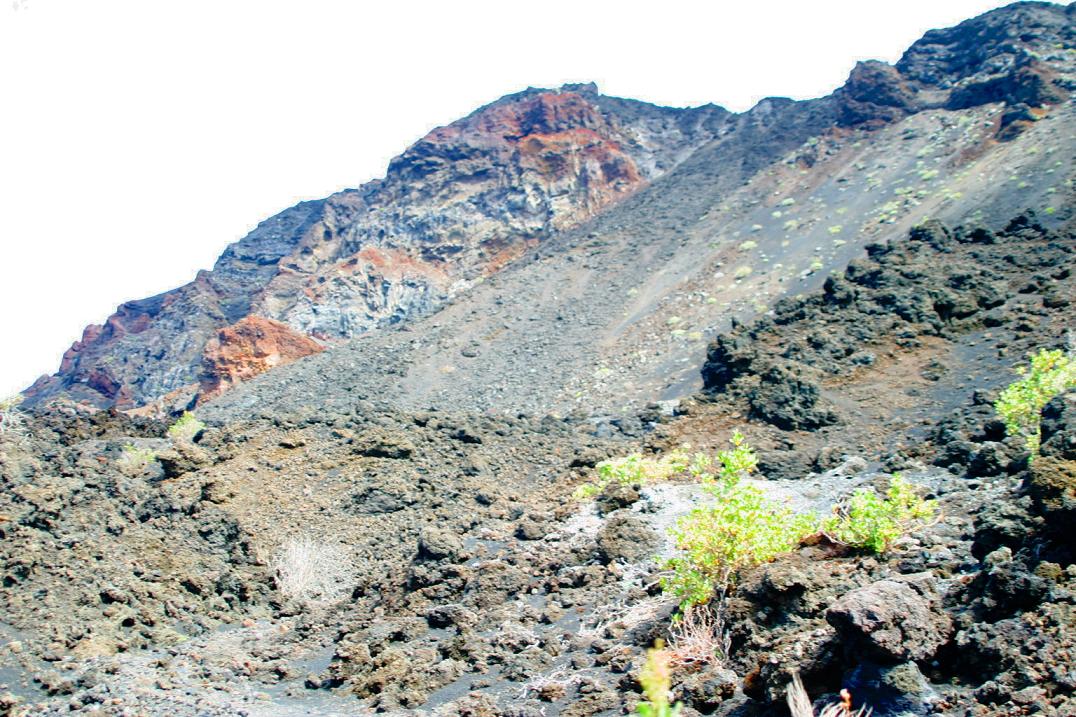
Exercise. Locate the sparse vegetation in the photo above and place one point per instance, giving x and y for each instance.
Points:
(133, 460)
(699, 638)
(873, 522)
(656, 681)
(739, 529)
(800, 705)
(186, 428)
(312, 572)
(1049, 373)
(633, 470)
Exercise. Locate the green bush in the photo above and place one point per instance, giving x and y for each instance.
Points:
(633, 470)
(1020, 405)
(133, 460)
(186, 428)
(873, 522)
(739, 529)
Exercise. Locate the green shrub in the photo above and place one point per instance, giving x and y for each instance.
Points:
(1020, 405)
(873, 522)
(633, 470)
(133, 460)
(739, 529)
(186, 428)
(656, 680)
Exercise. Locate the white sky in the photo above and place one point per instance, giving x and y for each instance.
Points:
(139, 138)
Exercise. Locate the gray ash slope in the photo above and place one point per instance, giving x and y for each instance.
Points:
(614, 314)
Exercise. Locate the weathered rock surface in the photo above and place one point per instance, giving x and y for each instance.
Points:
(892, 620)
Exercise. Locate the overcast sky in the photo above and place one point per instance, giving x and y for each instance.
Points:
(138, 139)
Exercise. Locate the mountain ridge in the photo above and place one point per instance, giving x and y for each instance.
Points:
(474, 196)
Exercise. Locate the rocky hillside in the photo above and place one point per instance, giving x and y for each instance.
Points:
(404, 385)
(475, 583)
(603, 197)
(455, 207)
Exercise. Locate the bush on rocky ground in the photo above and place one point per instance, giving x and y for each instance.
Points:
(633, 470)
(11, 418)
(1048, 374)
(739, 529)
(873, 522)
(656, 680)
(186, 429)
(310, 572)
(134, 460)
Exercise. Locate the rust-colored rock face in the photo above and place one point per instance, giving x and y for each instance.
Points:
(250, 347)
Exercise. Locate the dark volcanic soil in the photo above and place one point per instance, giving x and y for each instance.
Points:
(481, 587)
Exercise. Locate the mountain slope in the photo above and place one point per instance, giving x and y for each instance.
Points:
(456, 206)
(472, 197)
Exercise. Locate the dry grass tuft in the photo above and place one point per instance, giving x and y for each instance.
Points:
(799, 704)
(699, 638)
(311, 572)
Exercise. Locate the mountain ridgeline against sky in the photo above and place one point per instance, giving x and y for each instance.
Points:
(469, 200)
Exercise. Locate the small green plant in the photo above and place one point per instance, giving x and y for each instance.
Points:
(186, 428)
(738, 530)
(656, 680)
(873, 522)
(633, 470)
(1020, 405)
(133, 460)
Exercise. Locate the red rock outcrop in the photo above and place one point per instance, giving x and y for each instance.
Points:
(251, 346)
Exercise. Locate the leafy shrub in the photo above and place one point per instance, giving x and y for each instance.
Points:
(1020, 405)
(133, 461)
(739, 529)
(656, 680)
(873, 522)
(186, 428)
(311, 572)
(633, 470)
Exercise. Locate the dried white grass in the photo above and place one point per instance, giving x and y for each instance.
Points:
(311, 572)
(558, 678)
(699, 638)
(627, 615)
(799, 704)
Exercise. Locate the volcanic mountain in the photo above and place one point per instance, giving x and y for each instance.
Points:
(442, 428)
(700, 212)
